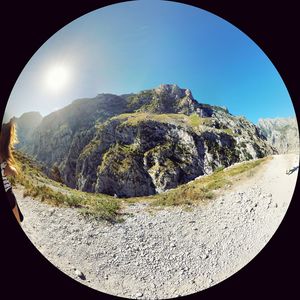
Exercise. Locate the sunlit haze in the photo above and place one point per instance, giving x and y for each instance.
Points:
(137, 45)
(57, 78)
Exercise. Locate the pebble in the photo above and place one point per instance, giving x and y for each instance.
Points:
(165, 238)
(79, 274)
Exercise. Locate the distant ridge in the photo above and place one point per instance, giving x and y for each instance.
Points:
(141, 143)
(282, 133)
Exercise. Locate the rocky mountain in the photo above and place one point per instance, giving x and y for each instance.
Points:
(26, 124)
(282, 133)
(144, 143)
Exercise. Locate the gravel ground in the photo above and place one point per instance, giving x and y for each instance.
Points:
(170, 252)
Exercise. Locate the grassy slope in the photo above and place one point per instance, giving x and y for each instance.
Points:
(204, 188)
(37, 185)
(193, 121)
(106, 207)
(134, 118)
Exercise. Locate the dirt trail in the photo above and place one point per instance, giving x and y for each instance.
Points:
(172, 252)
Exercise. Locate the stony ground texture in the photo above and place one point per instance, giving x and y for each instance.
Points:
(170, 252)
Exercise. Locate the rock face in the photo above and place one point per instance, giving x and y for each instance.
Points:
(167, 98)
(142, 144)
(26, 124)
(282, 133)
(61, 136)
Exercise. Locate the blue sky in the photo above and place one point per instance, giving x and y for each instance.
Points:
(132, 46)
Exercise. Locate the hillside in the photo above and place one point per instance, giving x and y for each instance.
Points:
(142, 144)
(33, 182)
(282, 133)
(164, 253)
(26, 124)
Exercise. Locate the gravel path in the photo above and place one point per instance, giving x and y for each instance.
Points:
(170, 252)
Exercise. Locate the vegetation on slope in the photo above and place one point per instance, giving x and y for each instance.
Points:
(37, 185)
(192, 120)
(202, 189)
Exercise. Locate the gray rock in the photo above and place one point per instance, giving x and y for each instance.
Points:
(139, 294)
(79, 274)
(141, 153)
(282, 133)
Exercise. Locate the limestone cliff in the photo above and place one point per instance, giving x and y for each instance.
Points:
(144, 143)
(282, 133)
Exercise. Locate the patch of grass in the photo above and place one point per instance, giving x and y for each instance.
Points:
(119, 158)
(203, 189)
(194, 120)
(229, 131)
(103, 207)
(244, 167)
(219, 169)
(134, 119)
(89, 148)
(37, 185)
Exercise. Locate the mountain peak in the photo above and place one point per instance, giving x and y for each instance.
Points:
(174, 91)
(166, 98)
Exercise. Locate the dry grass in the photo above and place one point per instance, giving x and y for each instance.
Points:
(37, 185)
(181, 119)
(203, 188)
(102, 206)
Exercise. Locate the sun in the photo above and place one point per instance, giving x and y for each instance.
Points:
(57, 78)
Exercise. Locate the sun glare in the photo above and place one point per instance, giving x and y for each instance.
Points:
(57, 78)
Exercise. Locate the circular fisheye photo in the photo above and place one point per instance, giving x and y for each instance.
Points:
(149, 150)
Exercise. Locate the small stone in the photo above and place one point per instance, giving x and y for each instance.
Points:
(152, 285)
(79, 274)
(172, 245)
(139, 294)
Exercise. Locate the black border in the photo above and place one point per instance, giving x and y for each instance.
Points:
(26, 25)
